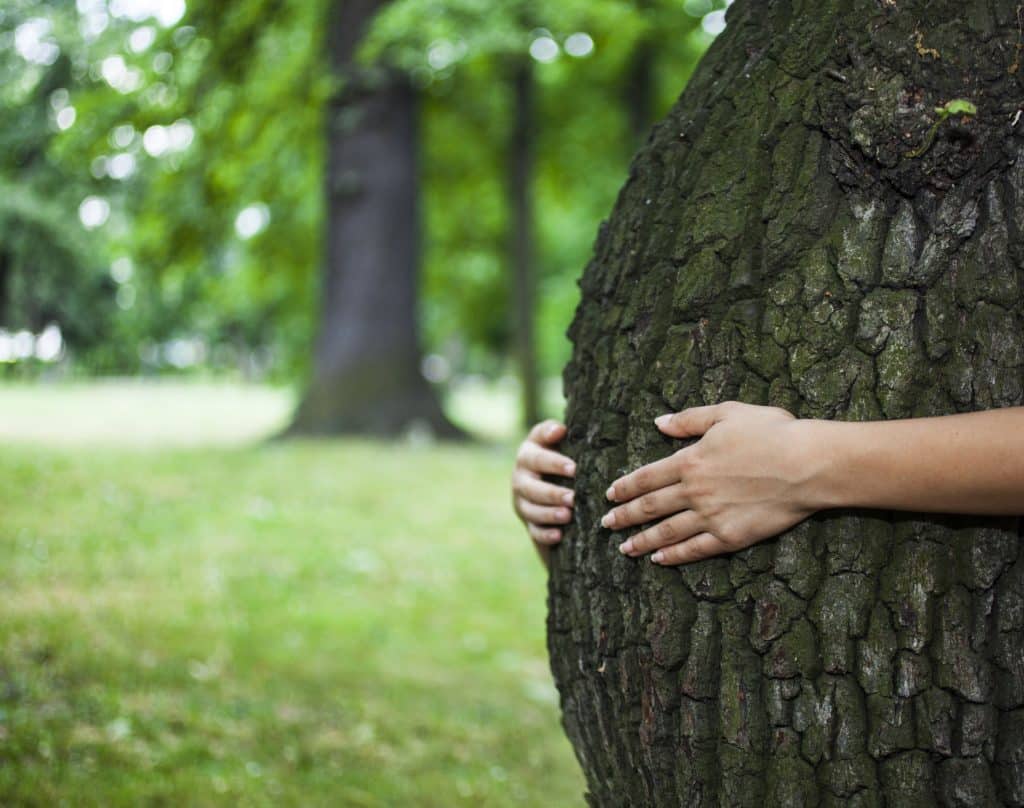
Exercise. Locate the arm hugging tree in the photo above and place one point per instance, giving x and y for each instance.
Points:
(807, 229)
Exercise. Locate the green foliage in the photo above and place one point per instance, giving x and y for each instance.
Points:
(958, 106)
(233, 73)
(178, 138)
(48, 271)
(40, 260)
(461, 52)
(202, 142)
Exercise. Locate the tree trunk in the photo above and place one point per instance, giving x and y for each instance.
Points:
(639, 89)
(521, 214)
(6, 317)
(784, 239)
(366, 368)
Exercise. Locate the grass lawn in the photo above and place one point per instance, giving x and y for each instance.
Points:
(338, 623)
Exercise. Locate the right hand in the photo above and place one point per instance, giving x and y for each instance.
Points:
(542, 505)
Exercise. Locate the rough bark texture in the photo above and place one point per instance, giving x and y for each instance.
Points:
(366, 370)
(775, 244)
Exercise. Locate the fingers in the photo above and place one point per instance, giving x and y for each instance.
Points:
(693, 421)
(646, 478)
(529, 487)
(534, 457)
(703, 545)
(668, 531)
(664, 501)
(544, 535)
(542, 514)
(541, 505)
(547, 432)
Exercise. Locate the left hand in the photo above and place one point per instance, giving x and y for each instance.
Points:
(739, 484)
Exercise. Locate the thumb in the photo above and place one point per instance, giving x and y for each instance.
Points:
(690, 422)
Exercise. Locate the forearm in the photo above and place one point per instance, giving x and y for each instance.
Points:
(970, 463)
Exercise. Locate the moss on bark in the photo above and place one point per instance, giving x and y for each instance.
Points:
(774, 243)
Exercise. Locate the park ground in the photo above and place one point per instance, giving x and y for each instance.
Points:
(192, 615)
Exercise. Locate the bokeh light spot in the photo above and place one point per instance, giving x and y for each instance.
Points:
(165, 12)
(141, 38)
(544, 49)
(714, 23)
(94, 212)
(122, 269)
(66, 118)
(121, 166)
(33, 42)
(579, 44)
(252, 220)
(49, 344)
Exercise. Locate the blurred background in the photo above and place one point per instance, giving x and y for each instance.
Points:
(354, 223)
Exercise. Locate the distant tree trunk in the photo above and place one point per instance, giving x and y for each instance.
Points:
(366, 368)
(521, 215)
(5, 292)
(639, 83)
(639, 90)
(777, 242)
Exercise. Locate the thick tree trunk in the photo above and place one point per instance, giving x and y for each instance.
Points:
(366, 369)
(776, 244)
(520, 173)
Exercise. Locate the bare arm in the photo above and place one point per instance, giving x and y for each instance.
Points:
(756, 471)
(970, 463)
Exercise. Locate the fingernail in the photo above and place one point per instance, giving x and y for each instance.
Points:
(626, 547)
(658, 557)
(550, 432)
(567, 498)
(610, 493)
(608, 519)
(570, 469)
(554, 535)
(562, 513)
(662, 420)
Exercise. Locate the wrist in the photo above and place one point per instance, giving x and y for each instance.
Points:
(822, 456)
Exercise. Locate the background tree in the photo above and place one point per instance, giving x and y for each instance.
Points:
(47, 272)
(366, 370)
(521, 239)
(499, 266)
(175, 123)
(159, 152)
(784, 238)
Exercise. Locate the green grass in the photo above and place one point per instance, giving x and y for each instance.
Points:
(140, 413)
(339, 623)
(155, 413)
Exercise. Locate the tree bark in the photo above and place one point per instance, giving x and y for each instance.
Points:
(521, 215)
(366, 369)
(777, 243)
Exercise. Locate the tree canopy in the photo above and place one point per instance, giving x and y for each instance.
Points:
(164, 165)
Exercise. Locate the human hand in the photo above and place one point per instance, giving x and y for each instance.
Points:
(542, 505)
(740, 483)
